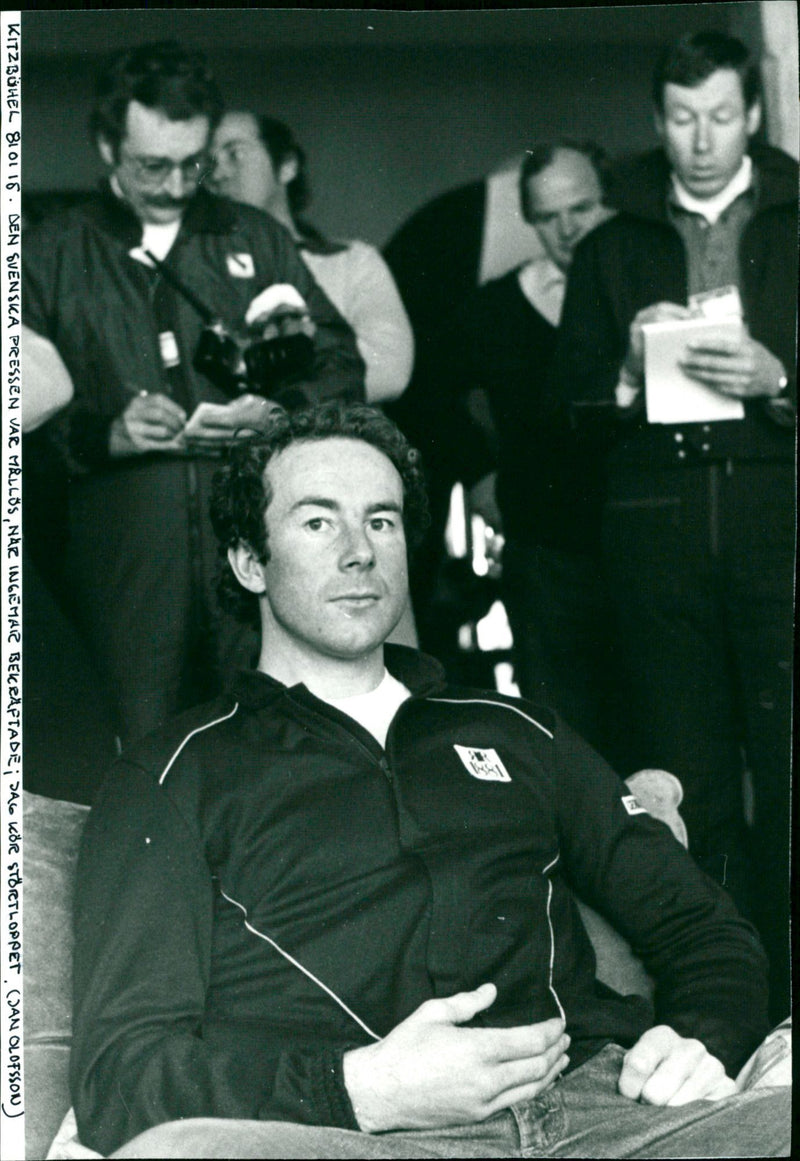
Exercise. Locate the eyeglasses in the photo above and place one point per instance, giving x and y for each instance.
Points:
(156, 170)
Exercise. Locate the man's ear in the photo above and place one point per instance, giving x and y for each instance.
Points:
(753, 118)
(247, 568)
(106, 151)
(288, 170)
(658, 121)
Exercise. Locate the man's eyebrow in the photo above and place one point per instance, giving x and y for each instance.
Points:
(386, 506)
(315, 501)
(332, 505)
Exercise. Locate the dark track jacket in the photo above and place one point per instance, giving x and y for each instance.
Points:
(104, 310)
(637, 259)
(261, 887)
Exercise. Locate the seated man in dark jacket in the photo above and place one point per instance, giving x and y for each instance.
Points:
(333, 909)
(699, 525)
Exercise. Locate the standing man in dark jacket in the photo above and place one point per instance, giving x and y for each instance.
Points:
(548, 490)
(699, 523)
(140, 557)
(341, 895)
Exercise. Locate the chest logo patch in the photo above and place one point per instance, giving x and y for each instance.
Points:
(241, 266)
(632, 805)
(483, 764)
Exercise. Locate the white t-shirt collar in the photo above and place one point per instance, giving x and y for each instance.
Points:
(544, 284)
(712, 208)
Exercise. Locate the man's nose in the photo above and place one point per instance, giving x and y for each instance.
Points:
(567, 227)
(702, 136)
(220, 169)
(357, 549)
(178, 183)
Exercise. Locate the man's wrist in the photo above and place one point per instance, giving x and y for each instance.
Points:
(783, 383)
(628, 387)
(356, 1071)
(119, 440)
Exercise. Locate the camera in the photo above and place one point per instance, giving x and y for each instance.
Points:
(275, 344)
(256, 363)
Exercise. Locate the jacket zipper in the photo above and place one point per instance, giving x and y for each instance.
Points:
(381, 762)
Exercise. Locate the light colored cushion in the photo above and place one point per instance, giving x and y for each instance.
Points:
(51, 835)
(52, 831)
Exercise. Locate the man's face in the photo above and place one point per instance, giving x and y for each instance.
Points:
(336, 582)
(566, 203)
(705, 131)
(243, 168)
(159, 163)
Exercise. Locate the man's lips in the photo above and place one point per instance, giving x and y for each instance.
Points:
(168, 203)
(357, 597)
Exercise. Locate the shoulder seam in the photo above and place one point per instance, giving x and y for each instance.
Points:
(498, 704)
(190, 735)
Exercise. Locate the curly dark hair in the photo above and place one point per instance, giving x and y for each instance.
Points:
(160, 76)
(240, 493)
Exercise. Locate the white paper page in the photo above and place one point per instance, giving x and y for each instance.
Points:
(670, 395)
(204, 414)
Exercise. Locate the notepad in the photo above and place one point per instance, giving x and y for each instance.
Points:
(204, 416)
(670, 395)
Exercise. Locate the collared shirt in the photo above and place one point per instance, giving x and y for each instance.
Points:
(712, 248)
(712, 208)
(544, 286)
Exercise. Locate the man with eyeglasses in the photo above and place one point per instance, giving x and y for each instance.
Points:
(140, 558)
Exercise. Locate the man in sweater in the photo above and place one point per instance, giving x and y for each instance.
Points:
(331, 913)
(547, 484)
(699, 521)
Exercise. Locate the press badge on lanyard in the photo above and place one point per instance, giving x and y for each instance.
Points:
(168, 344)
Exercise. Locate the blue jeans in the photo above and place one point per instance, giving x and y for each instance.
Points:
(582, 1115)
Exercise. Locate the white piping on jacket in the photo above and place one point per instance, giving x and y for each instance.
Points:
(299, 966)
(496, 704)
(199, 730)
(554, 993)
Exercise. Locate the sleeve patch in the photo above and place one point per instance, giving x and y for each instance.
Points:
(632, 805)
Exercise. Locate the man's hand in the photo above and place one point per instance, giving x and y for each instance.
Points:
(246, 416)
(744, 368)
(663, 1068)
(483, 501)
(149, 423)
(429, 1073)
(633, 364)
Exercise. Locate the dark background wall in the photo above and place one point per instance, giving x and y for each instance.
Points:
(392, 107)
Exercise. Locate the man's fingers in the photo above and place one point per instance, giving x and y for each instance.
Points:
(524, 1040)
(457, 1009)
(528, 1069)
(661, 312)
(528, 1090)
(664, 1068)
(156, 406)
(673, 1073)
(707, 1081)
(718, 346)
(641, 1061)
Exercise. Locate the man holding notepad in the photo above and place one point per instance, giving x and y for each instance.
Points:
(155, 294)
(679, 329)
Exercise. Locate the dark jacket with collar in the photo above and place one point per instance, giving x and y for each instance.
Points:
(262, 887)
(104, 310)
(637, 259)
